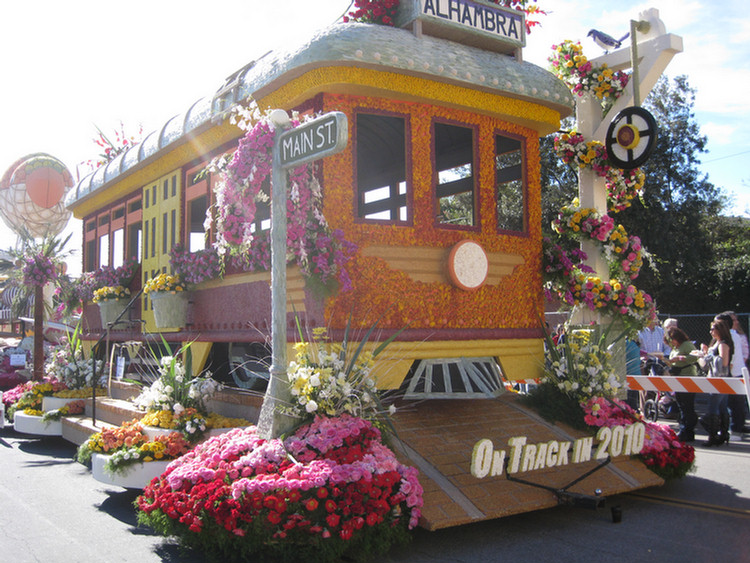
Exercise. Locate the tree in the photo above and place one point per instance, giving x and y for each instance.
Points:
(678, 205)
(729, 274)
(559, 180)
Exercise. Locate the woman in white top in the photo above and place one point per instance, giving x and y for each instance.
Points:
(717, 359)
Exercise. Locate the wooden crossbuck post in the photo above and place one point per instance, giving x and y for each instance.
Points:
(655, 49)
(318, 138)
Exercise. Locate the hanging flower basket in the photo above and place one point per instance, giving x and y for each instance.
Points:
(110, 309)
(170, 308)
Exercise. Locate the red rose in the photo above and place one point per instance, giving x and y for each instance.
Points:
(274, 517)
(373, 518)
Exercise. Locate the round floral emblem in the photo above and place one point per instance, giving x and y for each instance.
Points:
(468, 265)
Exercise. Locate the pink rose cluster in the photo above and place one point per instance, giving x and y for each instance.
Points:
(662, 451)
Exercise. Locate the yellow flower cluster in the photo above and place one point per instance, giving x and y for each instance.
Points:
(111, 292)
(152, 451)
(164, 282)
(42, 389)
(79, 393)
(33, 412)
(159, 419)
(214, 420)
(95, 442)
(619, 239)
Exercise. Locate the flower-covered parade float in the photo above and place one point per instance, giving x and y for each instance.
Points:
(443, 119)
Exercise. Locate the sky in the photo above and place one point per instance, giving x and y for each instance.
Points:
(67, 68)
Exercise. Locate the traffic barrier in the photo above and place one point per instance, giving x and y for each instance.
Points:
(679, 384)
(712, 385)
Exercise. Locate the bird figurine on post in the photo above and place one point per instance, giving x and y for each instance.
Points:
(605, 41)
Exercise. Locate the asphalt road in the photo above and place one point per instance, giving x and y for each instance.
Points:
(52, 511)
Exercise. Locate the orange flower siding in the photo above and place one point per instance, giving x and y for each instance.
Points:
(379, 290)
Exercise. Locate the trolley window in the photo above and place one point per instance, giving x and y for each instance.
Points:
(510, 193)
(382, 189)
(454, 171)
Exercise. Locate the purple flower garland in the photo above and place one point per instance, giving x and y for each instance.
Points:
(320, 251)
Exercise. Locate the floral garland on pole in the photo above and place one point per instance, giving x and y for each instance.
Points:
(622, 185)
(624, 255)
(39, 270)
(575, 283)
(320, 251)
(582, 77)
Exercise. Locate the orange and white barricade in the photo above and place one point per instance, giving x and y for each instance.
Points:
(713, 385)
(523, 383)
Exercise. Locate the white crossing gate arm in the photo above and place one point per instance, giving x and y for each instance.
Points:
(669, 383)
(712, 385)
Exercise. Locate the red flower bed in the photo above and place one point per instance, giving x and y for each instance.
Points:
(331, 488)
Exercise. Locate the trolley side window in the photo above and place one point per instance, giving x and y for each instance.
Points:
(509, 192)
(454, 171)
(262, 220)
(197, 201)
(382, 189)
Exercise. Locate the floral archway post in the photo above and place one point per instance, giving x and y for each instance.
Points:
(603, 90)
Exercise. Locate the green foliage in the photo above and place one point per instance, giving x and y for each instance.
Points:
(559, 180)
(84, 453)
(555, 406)
(217, 545)
(729, 275)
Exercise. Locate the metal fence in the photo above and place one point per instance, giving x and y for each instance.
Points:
(696, 326)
